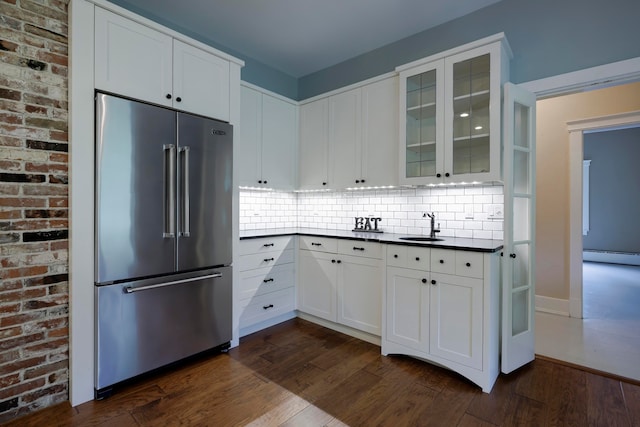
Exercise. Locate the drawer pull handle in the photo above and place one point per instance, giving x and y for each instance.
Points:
(268, 259)
(441, 261)
(267, 307)
(316, 244)
(355, 248)
(266, 245)
(468, 264)
(267, 280)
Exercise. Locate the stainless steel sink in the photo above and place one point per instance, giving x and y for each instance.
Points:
(421, 239)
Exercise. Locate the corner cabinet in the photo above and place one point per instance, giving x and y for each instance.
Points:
(349, 139)
(141, 62)
(450, 115)
(267, 140)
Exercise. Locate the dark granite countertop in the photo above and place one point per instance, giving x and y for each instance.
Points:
(458, 243)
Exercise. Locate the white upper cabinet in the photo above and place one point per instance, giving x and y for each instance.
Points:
(450, 115)
(267, 141)
(356, 131)
(314, 145)
(140, 62)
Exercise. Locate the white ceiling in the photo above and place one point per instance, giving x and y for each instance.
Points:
(300, 37)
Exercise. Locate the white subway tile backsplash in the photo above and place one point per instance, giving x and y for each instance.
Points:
(401, 210)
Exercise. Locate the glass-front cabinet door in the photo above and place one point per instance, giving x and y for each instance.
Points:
(451, 116)
(423, 93)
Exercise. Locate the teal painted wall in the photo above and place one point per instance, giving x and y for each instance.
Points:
(613, 190)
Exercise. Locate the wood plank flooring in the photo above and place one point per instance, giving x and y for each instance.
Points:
(301, 374)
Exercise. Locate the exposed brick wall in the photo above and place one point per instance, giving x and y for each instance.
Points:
(34, 335)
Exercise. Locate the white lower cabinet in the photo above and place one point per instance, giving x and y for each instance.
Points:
(448, 319)
(341, 281)
(266, 288)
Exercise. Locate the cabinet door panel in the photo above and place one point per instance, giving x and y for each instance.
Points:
(249, 137)
(314, 145)
(380, 133)
(201, 81)
(360, 294)
(317, 284)
(407, 321)
(456, 319)
(345, 142)
(279, 136)
(132, 59)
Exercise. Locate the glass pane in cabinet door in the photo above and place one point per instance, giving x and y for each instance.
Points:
(520, 312)
(471, 143)
(421, 124)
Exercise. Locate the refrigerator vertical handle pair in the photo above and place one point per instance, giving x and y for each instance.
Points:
(170, 192)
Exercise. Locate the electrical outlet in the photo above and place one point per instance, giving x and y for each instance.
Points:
(468, 212)
(496, 211)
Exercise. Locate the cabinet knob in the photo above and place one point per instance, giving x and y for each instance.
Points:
(417, 258)
(468, 264)
(424, 280)
(447, 174)
(357, 181)
(513, 256)
(267, 307)
(324, 183)
(259, 181)
(168, 96)
(438, 175)
(265, 181)
(179, 99)
(333, 261)
(362, 181)
(433, 282)
(339, 261)
(441, 261)
(395, 255)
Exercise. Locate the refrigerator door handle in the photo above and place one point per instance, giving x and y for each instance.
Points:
(169, 191)
(185, 229)
(130, 289)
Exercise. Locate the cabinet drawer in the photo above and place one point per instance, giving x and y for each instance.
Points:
(267, 244)
(265, 259)
(264, 307)
(360, 248)
(413, 257)
(320, 244)
(469, 264)
(264, 280)
(443, 261)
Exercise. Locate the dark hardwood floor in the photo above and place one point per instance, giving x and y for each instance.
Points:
(301, 374)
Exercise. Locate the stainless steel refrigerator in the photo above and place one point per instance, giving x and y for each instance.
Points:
(163, 237)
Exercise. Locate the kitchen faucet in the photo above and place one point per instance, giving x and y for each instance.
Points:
(433, 232)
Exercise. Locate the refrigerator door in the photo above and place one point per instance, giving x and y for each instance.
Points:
(205, 161)
(134, 144)
(146, 324)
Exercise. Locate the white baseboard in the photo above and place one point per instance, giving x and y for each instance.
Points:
(611, 257)
(267, 323)
(552, 305)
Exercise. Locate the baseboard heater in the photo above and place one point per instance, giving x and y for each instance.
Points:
(610, 257)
